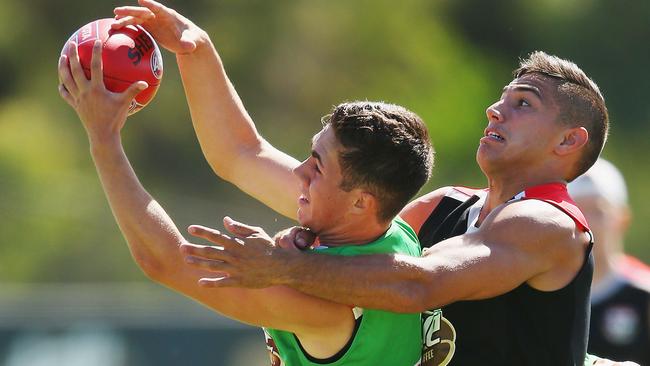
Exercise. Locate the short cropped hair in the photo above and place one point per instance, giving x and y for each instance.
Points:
(385, 150)
(579, 100)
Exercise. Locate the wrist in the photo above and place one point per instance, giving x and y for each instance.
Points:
(101, 142)
(203, 45)
(291, 264)
(203, 40)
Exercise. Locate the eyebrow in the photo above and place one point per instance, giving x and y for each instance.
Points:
(524, 87)
(316, 155)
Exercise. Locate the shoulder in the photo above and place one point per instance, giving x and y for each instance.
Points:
(539, 230)
(536, 212)
(405, 239)
(532, 222)
(418, 210)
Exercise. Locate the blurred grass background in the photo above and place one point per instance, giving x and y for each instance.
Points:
(291, 61)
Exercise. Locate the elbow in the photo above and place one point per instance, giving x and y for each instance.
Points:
(152, 270)
(421, 293)
(220, 166)
(151, 267)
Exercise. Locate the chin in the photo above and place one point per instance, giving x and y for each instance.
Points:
(309, 224)
(304, 219)
(486, 162)
(301, 219)
(482, 158)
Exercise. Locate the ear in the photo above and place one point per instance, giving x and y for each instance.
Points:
(572, 140)
(365, 202)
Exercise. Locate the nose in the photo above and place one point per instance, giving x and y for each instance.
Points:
(494, 113)
(301, 172)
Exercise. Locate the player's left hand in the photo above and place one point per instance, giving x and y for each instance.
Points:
(247, 258)
(102, 112)
(171, 30)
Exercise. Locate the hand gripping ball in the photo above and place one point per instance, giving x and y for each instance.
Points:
(129, 54)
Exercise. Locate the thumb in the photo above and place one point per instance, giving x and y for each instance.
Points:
(305, 238)
(134, 89)
(238, 228)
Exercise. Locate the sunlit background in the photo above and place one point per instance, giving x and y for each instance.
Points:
(70, 294)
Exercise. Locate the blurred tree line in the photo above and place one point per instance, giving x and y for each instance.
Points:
(291, 61)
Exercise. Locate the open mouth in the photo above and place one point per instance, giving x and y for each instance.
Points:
(495, 136)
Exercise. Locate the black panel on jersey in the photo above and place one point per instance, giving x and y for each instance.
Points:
(444, 222)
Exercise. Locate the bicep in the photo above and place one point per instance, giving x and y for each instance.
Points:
(267, 175)
(466, 268)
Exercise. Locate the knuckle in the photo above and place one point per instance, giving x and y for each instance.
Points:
(210, 252)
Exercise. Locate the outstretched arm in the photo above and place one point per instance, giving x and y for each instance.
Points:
(512, 247)
(228, 137)
(153, 238)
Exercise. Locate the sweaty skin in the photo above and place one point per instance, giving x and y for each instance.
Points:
(487, 263)
(467, 267)
(517, 122)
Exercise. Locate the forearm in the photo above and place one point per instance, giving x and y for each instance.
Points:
(152, 237)
(387, 282)
(154, 242)
(228, 137)
(222, 125)
(480, 265)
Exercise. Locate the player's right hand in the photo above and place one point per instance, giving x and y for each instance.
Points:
(171, 30)
(102, 112)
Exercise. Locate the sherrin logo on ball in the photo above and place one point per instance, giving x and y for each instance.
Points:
(157, 64)
(129, 54)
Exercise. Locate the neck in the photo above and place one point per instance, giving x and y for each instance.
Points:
(354, 233)
(503, 188)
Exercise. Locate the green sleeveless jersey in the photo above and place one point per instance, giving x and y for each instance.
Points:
(382, 338)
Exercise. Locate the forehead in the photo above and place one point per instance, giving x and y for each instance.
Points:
(541, 85)
(325, 141)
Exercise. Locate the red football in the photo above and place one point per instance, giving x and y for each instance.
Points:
(129, 54)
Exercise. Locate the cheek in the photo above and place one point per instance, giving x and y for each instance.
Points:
(326, 196)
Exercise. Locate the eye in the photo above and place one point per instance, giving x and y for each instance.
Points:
(523, 103)
(314, 163)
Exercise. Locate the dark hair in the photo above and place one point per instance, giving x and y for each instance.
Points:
(579, 100)
(385, 150)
